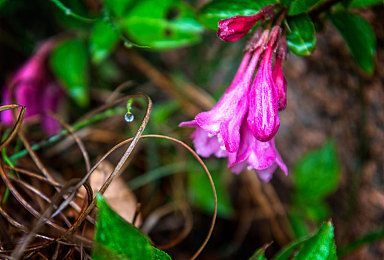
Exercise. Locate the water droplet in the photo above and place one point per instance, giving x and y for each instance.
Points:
(129, 117)
(128, 44)
(249, 168)
(68, 11)
(222, 147)
(210, 135)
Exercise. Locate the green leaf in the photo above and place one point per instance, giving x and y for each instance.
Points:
(301, 36)
(102, 40)
(201, 192)
(2, 2)
(364, 3)
(259, 254)
(118, 7)
(170, 24)
(216, 10)
(358, 35)
(317, 174)
(321, 246)
(160, 255)
(287, 3)
(301, 6)
(117, 239)
(69, 63)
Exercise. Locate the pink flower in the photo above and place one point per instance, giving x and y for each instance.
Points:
(263, 157)
(33, 88)
(224, 119)
(278, 76)
(236, 27)
(263, 116)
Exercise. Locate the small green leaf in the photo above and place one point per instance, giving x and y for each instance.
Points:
(301, 37)
(69, 63)
(321, 246)
(118, 7)
(301, 6)
(317, 174)
(358, 35)
(201, 192)
(259, 254)
(364, 3)
(117, 239)
(115, 235)
(102, 40)
(216, 10)
(171, 24)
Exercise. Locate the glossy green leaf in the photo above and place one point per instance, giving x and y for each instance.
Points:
(171, 24)
(301, 6)
(301, 36)
(317, 174)
(102, 40)
(69, 63)
(118, 7)
(364, 3)
(358, 35)
(200, 189)
(216, 10)
(117, 239)
(320, 246)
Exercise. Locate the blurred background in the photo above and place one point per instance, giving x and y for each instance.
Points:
(331, 134)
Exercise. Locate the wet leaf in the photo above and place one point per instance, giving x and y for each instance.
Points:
(301, 37)
(69, 63)
(359, 36)
(216, 10)
(171, 24)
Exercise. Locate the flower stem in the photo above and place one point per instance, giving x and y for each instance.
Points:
(69, 12)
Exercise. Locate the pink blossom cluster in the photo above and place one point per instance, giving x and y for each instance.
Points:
(242, 125)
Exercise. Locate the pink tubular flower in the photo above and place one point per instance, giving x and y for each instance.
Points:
(278, 76)
(263, 118)
(33, 88)
(224, 119)
(263, 157)
(236, 27)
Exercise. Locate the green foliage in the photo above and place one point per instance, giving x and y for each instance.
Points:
(201, 191)
(69, 63)
(171, 24)
(320, 246)
(301, 36)
(315, 177)
(102, 40)
(216, 10)
(117, 239)
(301, 6)
(118, 7)
(363, 3)
(317, 174)
(359, 36)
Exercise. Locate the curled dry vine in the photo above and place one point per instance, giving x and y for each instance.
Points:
(51, 212)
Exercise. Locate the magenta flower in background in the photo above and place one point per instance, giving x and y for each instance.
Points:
(263, 118)
(224, 119)
(236, 27)
(33, 87)
(263, 157)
